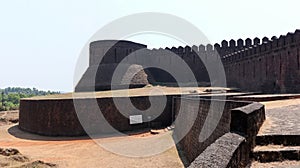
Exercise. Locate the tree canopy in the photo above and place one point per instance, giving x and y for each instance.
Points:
(10, 97)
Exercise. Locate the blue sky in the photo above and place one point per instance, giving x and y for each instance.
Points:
(40, 40)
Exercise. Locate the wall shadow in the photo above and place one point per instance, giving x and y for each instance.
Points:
(18, 133)
(182, 156)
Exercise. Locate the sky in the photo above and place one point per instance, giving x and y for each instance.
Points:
(41, 40)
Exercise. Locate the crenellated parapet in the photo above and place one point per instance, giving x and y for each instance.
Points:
(266, 64)
(267, 45)
(223, 49)
(271, 66)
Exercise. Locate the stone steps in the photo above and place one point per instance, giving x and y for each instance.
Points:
(273, 153)
(285, 140)
(276, 148)
(284, 164)
(278, 140)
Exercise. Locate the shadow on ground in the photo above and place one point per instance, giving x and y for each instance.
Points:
(18, 133)
(182, 155)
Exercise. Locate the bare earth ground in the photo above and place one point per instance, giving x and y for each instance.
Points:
(9, 117)
(10, 157)
(84, 152)
(13, 158)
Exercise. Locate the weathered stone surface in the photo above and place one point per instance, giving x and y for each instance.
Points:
(244, 118)
(228, 151)
(190, 142)
(98, 78)
(272, 153)
(59, 117)
(283, 121)
(247, 121)
(278, 138)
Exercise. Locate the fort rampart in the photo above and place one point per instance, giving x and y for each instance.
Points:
(267, 65)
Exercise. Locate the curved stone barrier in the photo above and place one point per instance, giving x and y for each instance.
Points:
(58, 117)
(240, 117)
(49, 117)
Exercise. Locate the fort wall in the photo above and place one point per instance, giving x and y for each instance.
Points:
(262, 65)
(271, 67)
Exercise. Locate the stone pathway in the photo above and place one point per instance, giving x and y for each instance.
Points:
(282, 121)
(278, 141)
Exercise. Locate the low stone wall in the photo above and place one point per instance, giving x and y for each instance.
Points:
(247, 121)
(244, 118)
(49, 117)
(58, 117)
(230, 150)
(190, 143)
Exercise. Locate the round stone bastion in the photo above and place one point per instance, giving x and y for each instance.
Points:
(56, 115)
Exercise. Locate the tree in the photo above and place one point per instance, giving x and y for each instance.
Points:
(11, 96)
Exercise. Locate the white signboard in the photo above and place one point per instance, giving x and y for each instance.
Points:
(136, 119)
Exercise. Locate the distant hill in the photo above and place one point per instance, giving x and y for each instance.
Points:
(10, 97)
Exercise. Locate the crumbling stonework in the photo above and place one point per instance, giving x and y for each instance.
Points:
(100, 77)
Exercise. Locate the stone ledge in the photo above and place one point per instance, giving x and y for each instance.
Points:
(230, 150)
(292, 140)
(273, 153)
(247, 121)
(249, 109)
